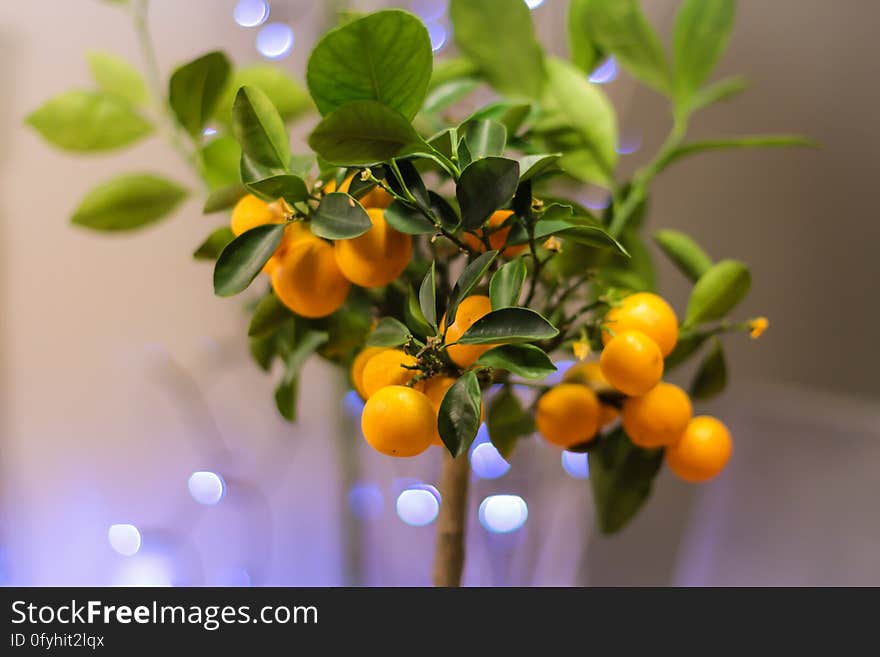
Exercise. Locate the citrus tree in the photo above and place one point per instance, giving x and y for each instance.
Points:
(442, 258)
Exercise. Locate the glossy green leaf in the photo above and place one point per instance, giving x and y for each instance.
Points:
(459, 418)
(363, 133)
(711, 378)
(409, 184)
(415, 318)
(214, 244)
(384, 57)
(509, 325)
(702, 29)
(288, 95)
(580, 233)
(287, 186)
(524, 360)
(506, 284)
(583, 52)
(408, 220)
(259, 129)
(470, 277)
(117, 77)
(244, 258)
(622, 476)
(684, 253)
(195, 88)
(755, 141)
(507, 421)
(389, 332)
(340, 217)
(447, 94)
(511, 58)
(717, 292)
(85, 121)
(485, 138)
(534, 165)
(428, 295)
(268, 316)
(128, 201)
(223, 198)
(220, 160)
(485, 186)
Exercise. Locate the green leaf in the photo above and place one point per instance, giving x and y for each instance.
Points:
(244, 258)
(451, 68)
(459, 418)
(409, 181)
(524, 360)
(717, 292)
(364, 132)
(688, 344)
(571, 100)
(511, 57)
(508, 113)
(389, 332)
(580, 233)
(195, 88)
(635, 272)
(622, 476)
(534, 165)
(127, 202)
(718, 92)
(286, 392)
(117, 77)
(684, 253)
(702, 29)
(485, 138)
(268, 316)
(755, 141)
(415, 318)
(286, 395)
(220, 162)
(287, 186)
(288, 96)
(448, 93)
(408, 220)
(471, 276)
(711, 378)
(485, 186)
(428, 295)
(259, 129)
(506, 284)
(340, 217)
(582, 51)
(619, 27)
(223, 198)
(263, 351)
(85, 121)
(214, 244)
(507, 421)
(508, 325)
(384, 57)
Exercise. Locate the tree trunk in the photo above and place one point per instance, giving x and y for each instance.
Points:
(449, 555)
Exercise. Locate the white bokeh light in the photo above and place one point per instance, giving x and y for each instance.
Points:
(275, 40)
(532, 4)
(487, 462)
(429, 10)
(125, 539)
(418, 507)
(501, 514)
(206, 488)
(145, 570)
(437, 32)
(604, 72)
(576, 465)
(251, 13)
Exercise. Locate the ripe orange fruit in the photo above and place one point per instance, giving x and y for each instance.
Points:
(647, 313)
(436, 388)
(658, 417)
(378, 256)
(398, 421)
(702, 452)
(293, 233)
(358, 365)
(308, 280)
(375, 198)
(497, 238)
(390, 367)
(632, 363)
(607, 414)
(589, 374)
(251, 212)
(568, 415)
(469, 311)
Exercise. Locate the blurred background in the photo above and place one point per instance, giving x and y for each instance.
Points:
(140, 445)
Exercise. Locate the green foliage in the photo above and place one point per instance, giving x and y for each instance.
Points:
(506, 284)
(288, 96)
(711, 378)
(428, 295)
(471, 275)
(117, 77)
(295, 355)
(484, 138)
(291, 188)
(736, 143)
(128, 202)
(531, 166)
(195, 89)
(409, 220)
(268, 316)
(684, 253)
(507, 421)
(214, 244)
(717, 292)
(244, 257)
(340, 217)
(223, 198)
(485, 186)
(509, 325)
(525, 360)
(459, 418)
(702, 29)
(582, 51)
(389, 332)
(259, 129)
(220, 162)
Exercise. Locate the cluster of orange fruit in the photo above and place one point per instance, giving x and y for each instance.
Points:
(311, 276)
(640, 333)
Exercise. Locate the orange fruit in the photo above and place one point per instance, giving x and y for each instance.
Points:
(308, 280)
(568, 414)
(607, 414)
(647, 313)
(378, 256)
(590, 374)
(436, 388)
(293, 233)
(632, 363)
(398, 421)
(251, 212)
(497, 238)
(702, 451)
(469, 311)
(659, 417)
(358, 365)
(387, 368)
(375, 198)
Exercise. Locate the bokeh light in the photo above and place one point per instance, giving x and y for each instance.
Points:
(353, 404)
(604, 72)
(576, 465)
(437, 32)
(532, 4)
(629, 145)
(251, 13)
(429, 10)
(596, 198)
(501, 514)
(275, 40)
(487, 462)
(365, 501)
(125, 539)
(206, 488)
(562, 367)
(145, 570)
(418, 507)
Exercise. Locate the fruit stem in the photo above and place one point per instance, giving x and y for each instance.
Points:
(449, 554)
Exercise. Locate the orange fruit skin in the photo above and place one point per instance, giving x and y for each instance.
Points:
(607, 414)
(308, 280)
(251, 212)
(590, 374)
(497, 238)
(377, 257)
(292, 234)
(387, 369)
(648, 313)
(469, 311)
(658, 417)
(702, 451)
(568, 415)
(398, 421)
(632, 363)
(375, 198)
(436, 388)
(357, 368)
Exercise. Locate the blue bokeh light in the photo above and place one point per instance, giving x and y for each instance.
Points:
(576, 465)
(418, 507)
(596, 198)
(437, 32)
(429, 10)
(353, 404)
(251, 13)
(125, 539)
(487, 462)
(629, 145)
(206, 488)
(502, 514)
(605, 72)
(275, 40)
(365, 501)
(562, 367)
(145, 570)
